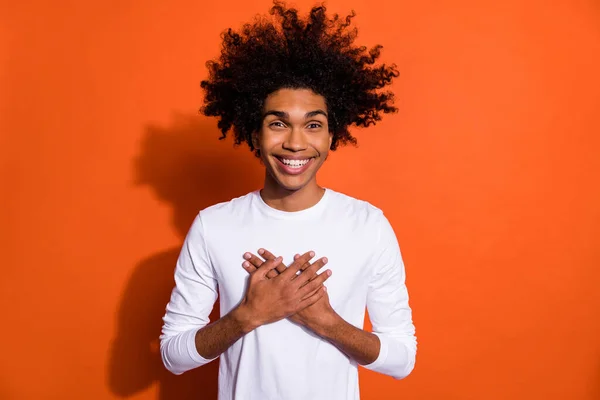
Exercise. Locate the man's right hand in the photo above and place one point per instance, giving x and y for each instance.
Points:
(270, 299)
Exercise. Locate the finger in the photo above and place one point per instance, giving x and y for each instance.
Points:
(313, 292)
(273, 273)
(309, 301)
(268, 265)
(248, 267)
(315, 283)
(310, 273)
(306, 265)
(253, 262)
(291, 271)
(267, 255)
(253, 259)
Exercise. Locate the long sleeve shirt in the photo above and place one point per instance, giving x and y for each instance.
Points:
(282, 360)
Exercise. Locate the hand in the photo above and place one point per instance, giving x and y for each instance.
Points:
(271, 299)
(315, 316)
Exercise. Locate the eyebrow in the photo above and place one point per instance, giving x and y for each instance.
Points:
(284, 115)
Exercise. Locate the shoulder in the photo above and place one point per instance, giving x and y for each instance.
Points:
(363, 220)
(357, 214)
(222, 213)
(354, 208)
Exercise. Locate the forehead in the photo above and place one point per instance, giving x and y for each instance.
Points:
(302, 100)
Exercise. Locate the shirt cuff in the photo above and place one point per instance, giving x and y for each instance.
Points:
(190, 340)
(383, 353)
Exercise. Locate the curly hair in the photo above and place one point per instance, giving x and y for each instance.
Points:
(316, 53)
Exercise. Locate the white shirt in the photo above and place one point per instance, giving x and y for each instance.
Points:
(281, 360)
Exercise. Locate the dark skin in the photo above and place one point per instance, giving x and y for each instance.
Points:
(320, 317)
(267, 300)
(295, 126)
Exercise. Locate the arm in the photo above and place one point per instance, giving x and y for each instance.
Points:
(191, 302)
(359, 345)
(187, 342)
(391, 348)
(320, 317)
(389, 311)
(215, 338)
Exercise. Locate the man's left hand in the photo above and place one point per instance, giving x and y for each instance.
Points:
(317, 317)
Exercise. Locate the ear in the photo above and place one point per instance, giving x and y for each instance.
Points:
(330, 139)
(255, 141)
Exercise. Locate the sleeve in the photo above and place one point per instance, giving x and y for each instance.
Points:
(190, 305)
(389, 312)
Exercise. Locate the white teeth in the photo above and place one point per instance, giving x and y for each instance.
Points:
(295, 163)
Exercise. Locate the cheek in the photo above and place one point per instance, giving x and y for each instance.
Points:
(323, 144)
(264, 141)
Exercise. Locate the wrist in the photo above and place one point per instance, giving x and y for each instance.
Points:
(327, 326)
(244, 319)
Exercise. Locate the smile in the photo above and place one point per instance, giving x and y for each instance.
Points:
(295, 163)
(293, 166)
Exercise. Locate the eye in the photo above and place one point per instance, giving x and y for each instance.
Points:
(277, 124)
(314, 125)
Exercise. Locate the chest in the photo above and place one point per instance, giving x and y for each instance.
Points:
(348, 253)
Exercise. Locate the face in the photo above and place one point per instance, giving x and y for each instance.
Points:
(294, 138)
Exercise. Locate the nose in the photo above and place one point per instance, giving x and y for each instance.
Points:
(295, 140)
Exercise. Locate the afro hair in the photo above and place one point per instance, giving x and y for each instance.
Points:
(286, 51)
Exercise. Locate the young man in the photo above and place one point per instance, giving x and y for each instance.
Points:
(295, 264)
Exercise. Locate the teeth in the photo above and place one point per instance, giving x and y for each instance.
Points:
(295, 163)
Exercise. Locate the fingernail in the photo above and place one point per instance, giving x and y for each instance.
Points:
(328, 272)
(247, 256)
(325, 288)
(279, 259)
(324, 260)
(312, 253)
(260, 251)
(246, 264)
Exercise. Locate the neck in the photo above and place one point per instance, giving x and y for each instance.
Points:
(291, 200)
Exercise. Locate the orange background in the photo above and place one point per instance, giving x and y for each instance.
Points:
(490, 175)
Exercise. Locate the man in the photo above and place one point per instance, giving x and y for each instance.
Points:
(295, 265)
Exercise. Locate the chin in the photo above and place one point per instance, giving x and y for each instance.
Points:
(291, 183)
(292, 186)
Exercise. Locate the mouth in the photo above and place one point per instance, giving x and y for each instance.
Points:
(294, 166)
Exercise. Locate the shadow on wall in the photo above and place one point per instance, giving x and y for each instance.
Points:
(188, 168)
